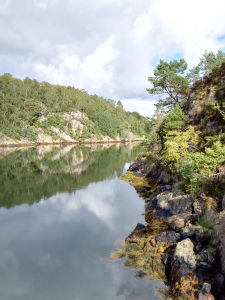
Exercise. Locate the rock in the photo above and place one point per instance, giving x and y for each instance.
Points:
(223, 202)
(184, 253)
(182, 273)
(205, 292)
(165, 178)
(219, 235)
(202, 235)
(137, 233)
(143, 169)
(177, 222)
(168, 237)
(218, 284)
(139, 226)
(199, 206)
(166, 188)
(206, 257)
(174, 203)
(187, 232)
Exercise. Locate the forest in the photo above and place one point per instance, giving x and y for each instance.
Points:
(28, 106)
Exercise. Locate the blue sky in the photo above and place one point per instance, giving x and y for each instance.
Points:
(107, 47)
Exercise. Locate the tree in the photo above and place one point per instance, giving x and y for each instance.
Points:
(210, 60)
(171, 82)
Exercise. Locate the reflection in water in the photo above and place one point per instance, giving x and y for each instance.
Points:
(32, 174)
(58, 248)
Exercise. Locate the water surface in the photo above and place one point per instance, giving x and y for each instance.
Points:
(62, 211)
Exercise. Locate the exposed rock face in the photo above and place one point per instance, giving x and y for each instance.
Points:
(184, 253)
(177, 222)
(205, 292)
(199, 206)
(143, 169)
(219, 234)
(202, 95)
(223, 202)
(173, 203)
(168, 237)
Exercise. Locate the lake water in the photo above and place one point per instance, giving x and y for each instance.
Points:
(62, 211)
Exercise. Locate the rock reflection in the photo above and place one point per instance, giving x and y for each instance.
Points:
(30, 174)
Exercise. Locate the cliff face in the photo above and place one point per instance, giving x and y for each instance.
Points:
(206, 106)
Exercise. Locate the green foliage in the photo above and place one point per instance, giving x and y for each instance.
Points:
(205, 223)
(174, 120)
(176, 147)
(197, 167)
(170, 80)
(210, 60)
(24, 102)
(29, 175)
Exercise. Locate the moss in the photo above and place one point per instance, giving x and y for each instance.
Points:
(137, 182)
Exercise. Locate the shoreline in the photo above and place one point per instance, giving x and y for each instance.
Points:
(173, 246)
(28, 144)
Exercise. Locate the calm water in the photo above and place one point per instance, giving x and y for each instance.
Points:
(62, 211)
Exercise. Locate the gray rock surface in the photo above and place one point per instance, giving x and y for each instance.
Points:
(219, 234)
(175, 203)
(177, 222)
(223, 202)
(184, 253)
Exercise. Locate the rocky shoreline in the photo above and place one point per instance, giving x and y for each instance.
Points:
(184, 240)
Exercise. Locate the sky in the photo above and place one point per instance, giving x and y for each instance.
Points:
(106, 47)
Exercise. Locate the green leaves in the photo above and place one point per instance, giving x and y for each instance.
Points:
(170, 81)
(198, 167)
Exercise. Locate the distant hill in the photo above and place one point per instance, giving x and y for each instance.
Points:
(32, 111)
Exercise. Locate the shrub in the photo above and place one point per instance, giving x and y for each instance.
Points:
(197, 167)
(176, 147)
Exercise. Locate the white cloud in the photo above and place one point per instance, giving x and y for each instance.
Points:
(144, 107)
(43, 3)
(95, 70)
(4, 6)
(106, 47)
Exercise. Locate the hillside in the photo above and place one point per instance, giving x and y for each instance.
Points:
(31, 111)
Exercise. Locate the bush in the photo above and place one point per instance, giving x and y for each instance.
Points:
(176, 147)
(197, 168)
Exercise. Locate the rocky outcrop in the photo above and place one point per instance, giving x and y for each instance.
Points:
(219, 234)
(173, 245)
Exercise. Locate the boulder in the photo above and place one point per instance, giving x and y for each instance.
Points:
(182, 273)
(177, 222)
(165, 178)
(174, 203)
(205, 294)
(167, 237)
(143, 169)
(184, 254)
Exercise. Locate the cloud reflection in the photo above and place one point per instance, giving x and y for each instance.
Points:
(97, 198)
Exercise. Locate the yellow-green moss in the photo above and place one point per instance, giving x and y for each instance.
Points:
(137, 182)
